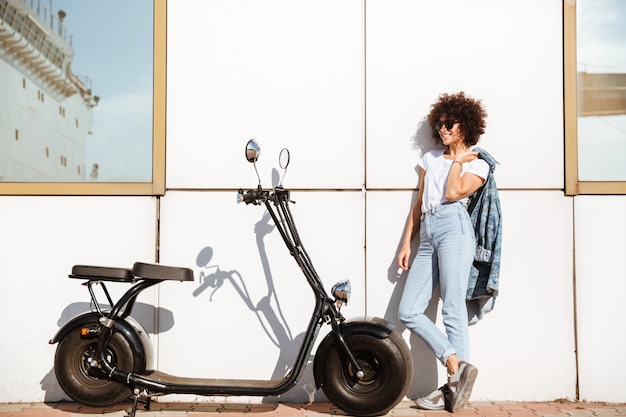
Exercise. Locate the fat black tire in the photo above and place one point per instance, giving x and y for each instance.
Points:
(388, 371)
(79, 382)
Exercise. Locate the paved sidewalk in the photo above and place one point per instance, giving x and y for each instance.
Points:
(404, 409)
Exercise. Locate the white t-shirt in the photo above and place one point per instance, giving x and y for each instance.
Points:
(437, 168)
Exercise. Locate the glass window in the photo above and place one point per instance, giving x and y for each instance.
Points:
(117, 128)
(595, 91)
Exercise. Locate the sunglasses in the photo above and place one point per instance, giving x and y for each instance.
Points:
(448, 123)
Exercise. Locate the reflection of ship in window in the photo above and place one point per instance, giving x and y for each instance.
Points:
(39, 90)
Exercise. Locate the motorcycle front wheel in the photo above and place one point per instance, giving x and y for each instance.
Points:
(388, 371)
(77, 378)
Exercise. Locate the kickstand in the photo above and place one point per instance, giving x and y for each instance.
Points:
(133, 410)
(137, 398)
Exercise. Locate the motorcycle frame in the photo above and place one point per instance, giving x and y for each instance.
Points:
(276, 202)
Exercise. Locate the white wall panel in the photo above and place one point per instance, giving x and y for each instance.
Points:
(41, 239)
(417, 50)
(287, 73)
(246, 313)
(600, 288)
(530, 332)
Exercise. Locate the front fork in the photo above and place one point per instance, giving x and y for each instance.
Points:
(346, 348)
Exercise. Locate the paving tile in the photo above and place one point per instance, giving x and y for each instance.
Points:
(316, 414)
(572, 406)
(13, 407)
(265, 407)
(290, 410)
(545, 409)
(232, 407)
(512, 407)
(50, 412)
(620, 409)
(404, 412)
(173, 406)
(405, 408)
(490, 410)
(205, 407)
(580, 410)
(107, 414)
(68, 407)
(322, 408)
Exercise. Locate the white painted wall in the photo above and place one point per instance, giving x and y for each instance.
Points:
(600, 283)
(345, 85)
(287, 73)
(41, 239)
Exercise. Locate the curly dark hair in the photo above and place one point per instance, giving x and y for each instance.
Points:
(468, 112)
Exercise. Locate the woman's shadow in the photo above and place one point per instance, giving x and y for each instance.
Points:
(424, 363)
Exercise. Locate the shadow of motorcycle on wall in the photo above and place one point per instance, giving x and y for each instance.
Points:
(267, 310)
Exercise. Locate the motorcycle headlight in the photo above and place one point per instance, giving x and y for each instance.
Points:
(341, 291)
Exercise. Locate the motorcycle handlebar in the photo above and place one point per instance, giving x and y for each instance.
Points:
(249, 197)
(259, 195)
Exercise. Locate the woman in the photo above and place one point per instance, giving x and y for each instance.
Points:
(448, 177)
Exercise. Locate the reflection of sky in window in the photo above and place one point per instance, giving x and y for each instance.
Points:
(601, 48)
(601, 148)
(112, 42)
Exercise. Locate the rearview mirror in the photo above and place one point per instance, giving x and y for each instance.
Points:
(253, 151)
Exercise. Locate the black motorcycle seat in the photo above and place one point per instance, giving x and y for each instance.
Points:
(102, 273)
(162, 272)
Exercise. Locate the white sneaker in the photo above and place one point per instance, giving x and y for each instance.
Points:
(461, 385)
(434, 401)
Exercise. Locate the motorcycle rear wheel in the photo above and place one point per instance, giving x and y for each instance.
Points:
(388, 369)
(79, 381)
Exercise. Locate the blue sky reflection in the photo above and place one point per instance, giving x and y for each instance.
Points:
(112, 41)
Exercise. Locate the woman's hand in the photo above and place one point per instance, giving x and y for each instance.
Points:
(467, 156)
(404, 256)
(412, 226)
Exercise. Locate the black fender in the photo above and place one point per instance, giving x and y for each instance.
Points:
(374, 326)
(129, 328)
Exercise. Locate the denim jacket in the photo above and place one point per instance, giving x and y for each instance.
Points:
(486, 216)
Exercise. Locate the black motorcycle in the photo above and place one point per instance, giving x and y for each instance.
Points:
(103, 357)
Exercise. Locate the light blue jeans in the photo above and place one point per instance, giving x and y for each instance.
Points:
(444, 258)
